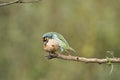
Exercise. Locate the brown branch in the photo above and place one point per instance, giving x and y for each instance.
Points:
(16, 1)
(83, 59)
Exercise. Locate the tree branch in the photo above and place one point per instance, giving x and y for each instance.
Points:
(83, 59)
(16, 1)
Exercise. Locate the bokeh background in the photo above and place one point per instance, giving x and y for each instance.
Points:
(92, 28)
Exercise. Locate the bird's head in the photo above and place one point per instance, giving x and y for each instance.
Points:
(46, 37)
(50, 42)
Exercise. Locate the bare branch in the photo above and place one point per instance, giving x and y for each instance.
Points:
(35, 1)
(16, 1)
(83, 59)
(9, 3)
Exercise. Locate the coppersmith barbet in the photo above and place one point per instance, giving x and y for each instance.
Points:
(55, 42)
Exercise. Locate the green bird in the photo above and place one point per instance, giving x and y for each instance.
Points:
(63, 45)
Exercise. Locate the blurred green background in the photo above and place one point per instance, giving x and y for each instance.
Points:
(92, 28)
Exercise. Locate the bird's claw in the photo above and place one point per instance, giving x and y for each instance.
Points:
(51, 56)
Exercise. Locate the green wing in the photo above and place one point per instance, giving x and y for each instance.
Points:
(61, 38)
(64, 43)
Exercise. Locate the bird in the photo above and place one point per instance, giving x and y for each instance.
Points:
(55, 42)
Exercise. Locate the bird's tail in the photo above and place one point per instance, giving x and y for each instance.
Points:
(71, 49)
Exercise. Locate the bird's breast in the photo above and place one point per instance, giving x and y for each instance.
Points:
(51, 46)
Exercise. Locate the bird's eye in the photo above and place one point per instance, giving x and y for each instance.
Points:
(44, 39)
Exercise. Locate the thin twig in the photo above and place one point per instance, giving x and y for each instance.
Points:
(35, 1)
(16, 1)
(83, 59)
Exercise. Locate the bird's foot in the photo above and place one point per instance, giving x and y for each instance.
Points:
(51, 56)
